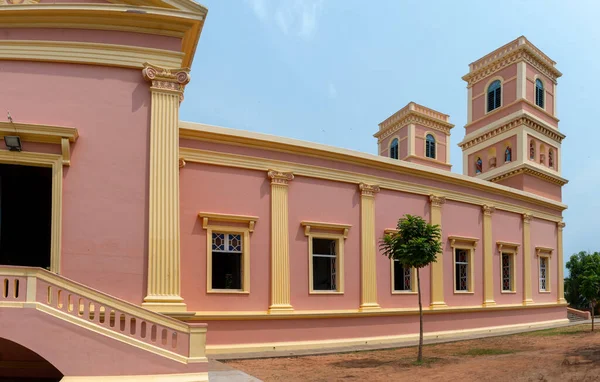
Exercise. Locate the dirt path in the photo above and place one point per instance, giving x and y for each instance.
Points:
(563, 354)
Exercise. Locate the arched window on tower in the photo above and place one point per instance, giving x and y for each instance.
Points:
(551, 158)
(478, 165)
(394, 149)
(507, 155)
(430, 146)
(532, 150)
(494, 95)
(539, 93)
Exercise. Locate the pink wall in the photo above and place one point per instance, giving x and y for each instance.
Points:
(544, 234)
(461, 219)
(94, 36)
(493, 116)
(507, 227)
(328, 202)
(389, 207)
(206, 188)
(509, 91)
(260, 331)
(105, 199)
(548, 87)
(421, 132)
(513, 181)
(403, 148)
(485, 157)
(541, 187)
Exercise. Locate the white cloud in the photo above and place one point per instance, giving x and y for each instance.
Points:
(293, 17)
(332, 91)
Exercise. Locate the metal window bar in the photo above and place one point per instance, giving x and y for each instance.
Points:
(462, 270)
(542, 273)
(506, 272)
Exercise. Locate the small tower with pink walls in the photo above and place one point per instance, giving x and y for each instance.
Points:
(416, 134)
(512, 135)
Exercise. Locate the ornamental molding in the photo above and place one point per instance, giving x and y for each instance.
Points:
(166, 79)
(211, 219)
(524, 120)
(320, 226)
(525, 52)
(527, 218)
(463, 241)
(437, 201)
(407, 117)
(280, 177)
(561, 225)
(530, 171)
(504, 246)
(488, 210)
(543, 251)
(368, 189)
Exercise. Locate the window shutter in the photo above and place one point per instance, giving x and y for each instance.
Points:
(490, 101)
(498, 95)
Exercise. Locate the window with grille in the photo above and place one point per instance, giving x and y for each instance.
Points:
(539, 93)
(324, 263)
(394, 149)
(461, 262)
(507, 272)
(494, 95)
(402, 277)
(543, 273)
(430, 146)
(226, 260)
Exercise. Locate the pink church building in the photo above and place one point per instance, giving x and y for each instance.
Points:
(133, 245)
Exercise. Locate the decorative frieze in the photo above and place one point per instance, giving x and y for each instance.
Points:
(392, 127)
(533, 172)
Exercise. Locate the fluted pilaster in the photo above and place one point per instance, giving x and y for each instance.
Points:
(488, 257)
(437, 268)
(163, 227)
(368, 247)
(280, 246)
(527, 260)
(560, 265)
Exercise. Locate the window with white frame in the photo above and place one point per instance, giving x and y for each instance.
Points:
(539, 93)
(325, 264)
(507, 272)
(394, 149)
(462, 271)
(543, 274)
(226, 260)
(402, 277)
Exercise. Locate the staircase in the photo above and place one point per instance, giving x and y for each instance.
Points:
(575, 315)
(81, 330)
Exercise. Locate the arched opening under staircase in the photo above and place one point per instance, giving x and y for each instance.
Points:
(20, 364)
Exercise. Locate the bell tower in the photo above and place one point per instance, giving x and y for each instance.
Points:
(512, 135)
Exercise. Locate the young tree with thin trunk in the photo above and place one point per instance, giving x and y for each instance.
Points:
(590, 289)
(415, 244)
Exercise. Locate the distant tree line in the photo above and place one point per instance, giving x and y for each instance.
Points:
(582, 286)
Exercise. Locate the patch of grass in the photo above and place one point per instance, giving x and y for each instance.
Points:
(482, 351)
(570, 330)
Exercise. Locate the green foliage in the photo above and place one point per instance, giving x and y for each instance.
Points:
(590, 285)
(415, 244)
(577, 266)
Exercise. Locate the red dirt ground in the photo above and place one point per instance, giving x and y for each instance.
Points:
(563, 354)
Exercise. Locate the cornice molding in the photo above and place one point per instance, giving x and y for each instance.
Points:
(368, 189)
(525, 119)
(518, 50)
(413, 117)
(437, 201)
(88, 53)
(165, 79)
(281, 178)
(528, 170)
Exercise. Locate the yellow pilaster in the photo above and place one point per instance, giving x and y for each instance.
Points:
(560, 265)
(527, 260)
(280, 246)
(163, 226)
(437, 268)
(488, 257)
(368, 243)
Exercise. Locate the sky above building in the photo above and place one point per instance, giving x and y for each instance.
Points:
(329, 71)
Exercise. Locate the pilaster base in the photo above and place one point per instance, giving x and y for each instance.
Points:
(369, 306)
(489, 303)
(528, 302)
(278, 309)
(164, 304)
(438, 305)
(561, 301)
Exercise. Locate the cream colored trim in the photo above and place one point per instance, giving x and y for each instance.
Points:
(310, 225)
(510, 249)
(554, 99)
(206, 217)
(448, 151)
(248, 139)
(191, 377)
(527, 300)
(368, 247)
(55, 162)
(468, 244)
(339, 238)
(470, 100)
(389, 146)
(543, 251)
(559, 261)
(437, 268)
(503, 136)
(424, 138)
(414, 113)
(488, 256)
(244, 231)
(424, 158)
(411, 139)
(397, 340)
(125, 56)
(280, 245)
(521, 83)
(255, 163)
(536, 77)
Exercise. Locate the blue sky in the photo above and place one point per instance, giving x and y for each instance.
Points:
(329, 71)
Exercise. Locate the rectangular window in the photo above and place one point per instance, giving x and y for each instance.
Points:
(402, 277)
(507, 272)
(227, 263)
(324, 264)
(543, 273)
(462, 271)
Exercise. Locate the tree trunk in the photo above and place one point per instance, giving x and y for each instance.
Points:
(420, 355)
(593, 317)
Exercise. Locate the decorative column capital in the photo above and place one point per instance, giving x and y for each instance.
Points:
(166, 79)
(488, 210)
(437, 201)
(368, 189)
(527, 218)
(561, 224)
(280, 177)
